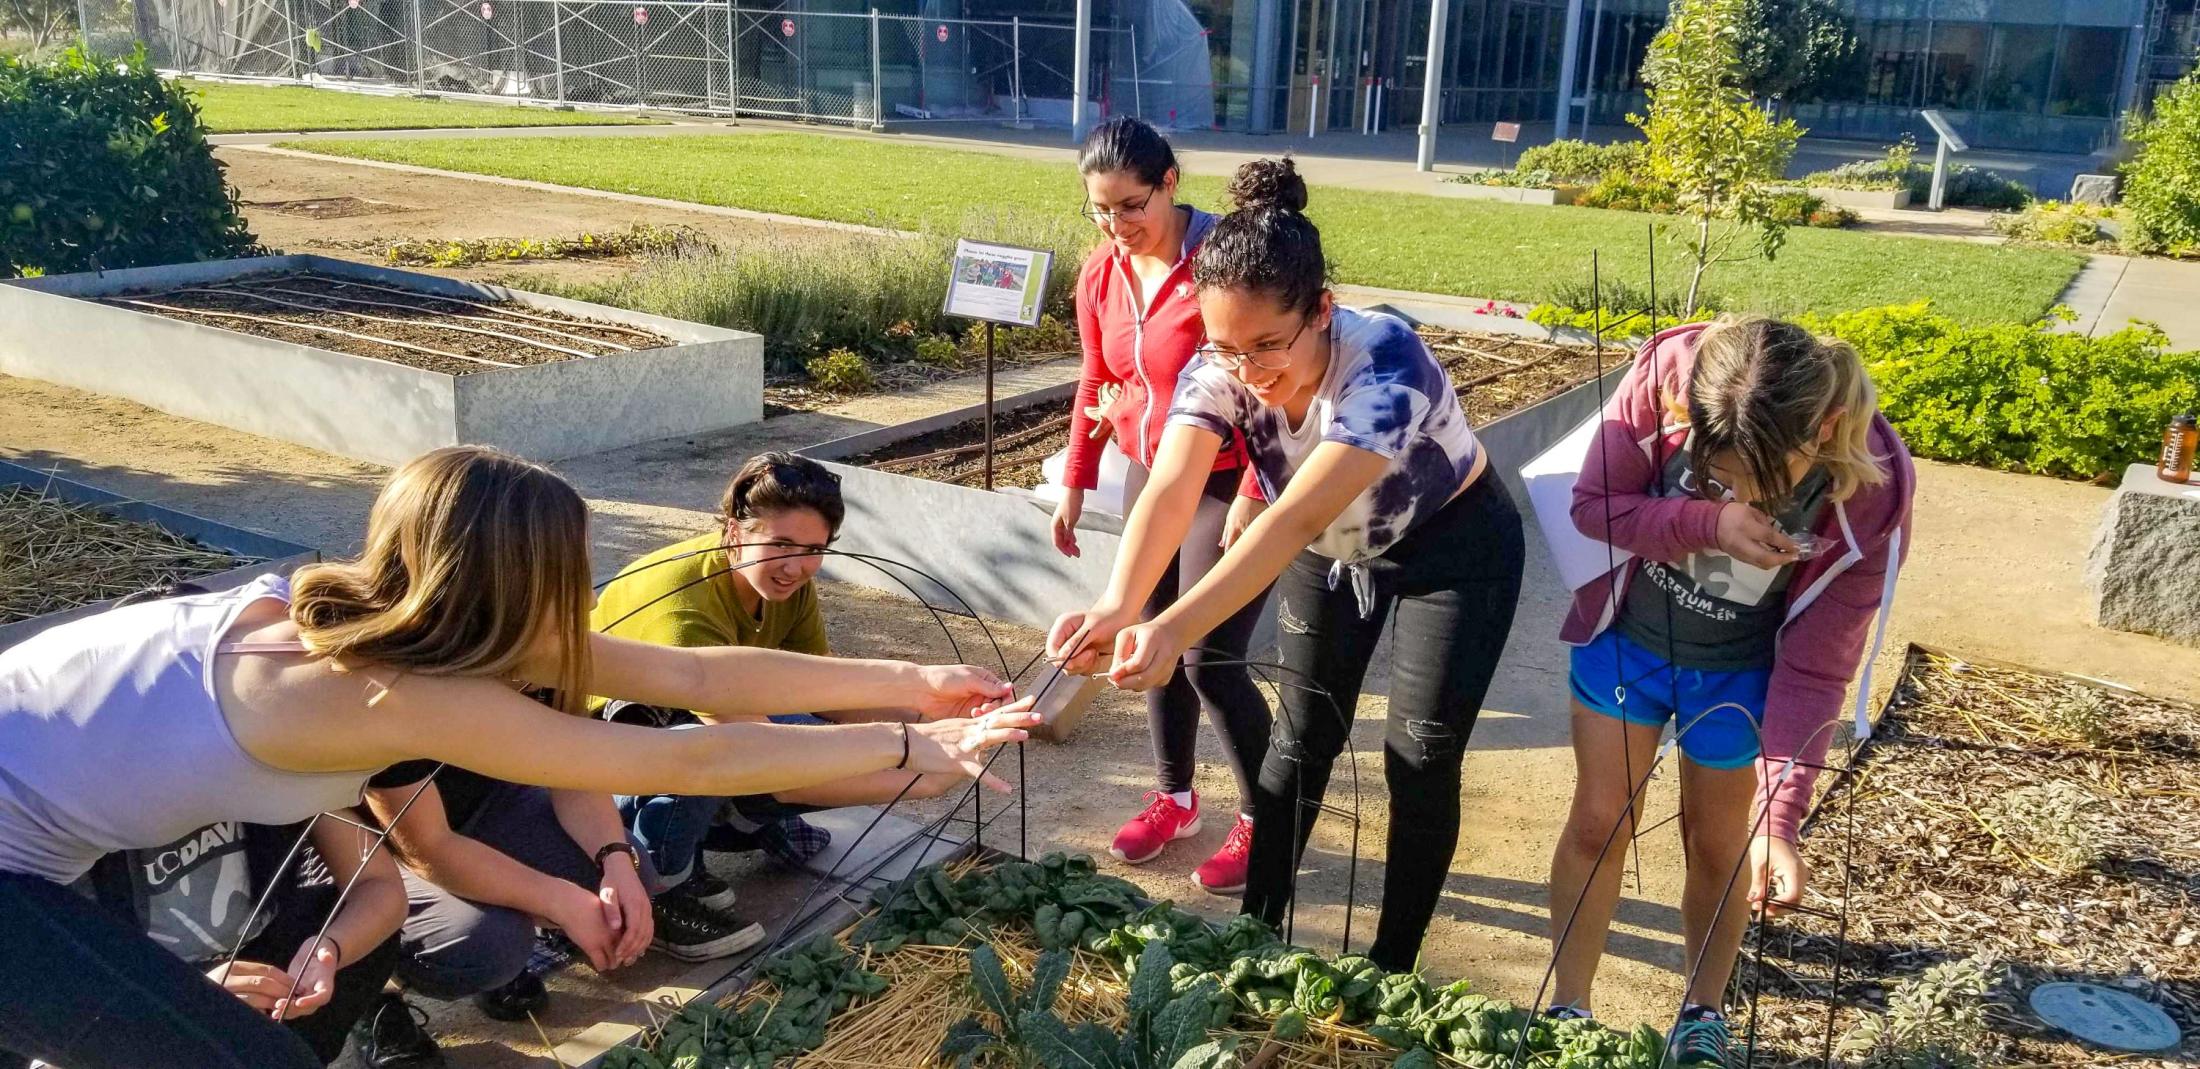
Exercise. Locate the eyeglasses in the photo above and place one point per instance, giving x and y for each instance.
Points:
(1129, 213)
(1267, 357)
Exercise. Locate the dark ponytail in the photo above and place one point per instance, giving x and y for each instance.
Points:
(1127, 143)
(1266, 244)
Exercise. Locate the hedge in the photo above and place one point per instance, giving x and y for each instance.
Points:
(104, 165)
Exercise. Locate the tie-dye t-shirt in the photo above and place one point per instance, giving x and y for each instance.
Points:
(1384, 393)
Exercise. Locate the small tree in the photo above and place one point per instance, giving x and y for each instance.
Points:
(1796, 51)
(43, 21)
(2162, 183)
(1709, 140)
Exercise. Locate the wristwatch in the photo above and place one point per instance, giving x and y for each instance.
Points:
(618, 848)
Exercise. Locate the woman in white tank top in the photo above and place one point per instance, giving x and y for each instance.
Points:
(274, 702)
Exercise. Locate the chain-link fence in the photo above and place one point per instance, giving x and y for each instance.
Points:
(704, 56)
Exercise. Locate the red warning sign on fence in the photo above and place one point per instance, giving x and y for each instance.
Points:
(351, 3)
(786, 27)
(641, 16)
(941, 33)
(487, 12)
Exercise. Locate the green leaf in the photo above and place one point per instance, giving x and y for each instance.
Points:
(1150, 984)
(1047, 975)
(1057, 1047)
(1208, 1055)
(991, 983)
(965, 1038)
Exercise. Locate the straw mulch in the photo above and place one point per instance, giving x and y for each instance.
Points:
(2042, 820)
(55, 555)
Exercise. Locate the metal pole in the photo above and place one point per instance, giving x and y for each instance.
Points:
(1138, 77)
(1567, 72)
(1940, 172)
(1588, 93)
(557, 45)
(84, 25)
(1315, 59)
(420, 48)
(1016, 62)
(1080, 75)
(878, 94)
(1329, 55)
(989, 395)
(641, 90)
(1432, 96)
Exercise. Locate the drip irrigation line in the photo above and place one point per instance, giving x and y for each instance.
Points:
(256, 289)
(493, 308)
(309, 327)
(279, 302)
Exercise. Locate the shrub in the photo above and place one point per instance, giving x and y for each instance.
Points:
(1627, 193)
(2055, 223)
(1967, 186)
(1516, 179)
(107, 167)
(1572, 162)
(1935, 1021)
(2020, 397)
(1797, 208)
(2056, 825)
(636, 240)
(938, 351)
(842, 371)
(2162, 184)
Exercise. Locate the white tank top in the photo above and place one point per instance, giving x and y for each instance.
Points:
(111, 738)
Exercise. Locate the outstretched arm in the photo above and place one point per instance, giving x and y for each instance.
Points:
(1158, 524)
(743, 683)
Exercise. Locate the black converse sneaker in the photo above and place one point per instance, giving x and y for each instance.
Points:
(394, 1035)
(689, 931)
(707, 890)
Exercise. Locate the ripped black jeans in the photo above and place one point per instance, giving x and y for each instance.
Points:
(1453, 583)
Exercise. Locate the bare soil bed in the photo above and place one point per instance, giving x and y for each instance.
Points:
(56, 556)
(443, 334)
(2039, 820)
(1495, 375)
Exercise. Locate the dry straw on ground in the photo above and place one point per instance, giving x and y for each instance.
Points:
(55, 556)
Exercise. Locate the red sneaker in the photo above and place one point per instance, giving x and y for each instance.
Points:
(1224, 873)
(1162, 823)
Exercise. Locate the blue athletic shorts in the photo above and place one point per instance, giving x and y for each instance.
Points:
(1614, 676)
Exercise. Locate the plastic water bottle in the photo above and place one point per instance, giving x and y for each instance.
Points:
(2178, 443)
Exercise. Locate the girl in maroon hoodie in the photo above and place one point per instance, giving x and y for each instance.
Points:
(1757, 505)
(1139, 322)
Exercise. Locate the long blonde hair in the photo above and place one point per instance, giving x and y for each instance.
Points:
(1761, 389)
(471, 555)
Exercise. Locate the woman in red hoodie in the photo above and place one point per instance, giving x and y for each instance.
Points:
(1757, 505)
(1139, 322)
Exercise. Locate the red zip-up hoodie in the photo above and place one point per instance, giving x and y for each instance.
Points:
(1141, 355)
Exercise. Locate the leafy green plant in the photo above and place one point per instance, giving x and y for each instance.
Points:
(1797, 208)
(2083, 717)
(939, 351)
(842, 371)
(1574, 162)
(1167, 1029)
(2055, 223)
(815, 981)
(2020, 397)
(1516, 179)
(1621, 191)
(1709, 142)
(638, 240)
(971, 1040)
(1934, 1021)
(2162, 183)
(107, 167)
(2055, 825)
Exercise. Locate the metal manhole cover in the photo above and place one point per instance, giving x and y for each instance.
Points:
(328, 207)
(2105, 1016)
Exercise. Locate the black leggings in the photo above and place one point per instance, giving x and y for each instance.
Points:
(1453, 582)
(1233, 703)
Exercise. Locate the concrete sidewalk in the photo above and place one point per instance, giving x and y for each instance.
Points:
(2113, 290)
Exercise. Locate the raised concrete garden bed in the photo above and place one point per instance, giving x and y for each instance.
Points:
(1863, 198)
(453, 362)
(996, 549)
(142, 544)
(1512, 194)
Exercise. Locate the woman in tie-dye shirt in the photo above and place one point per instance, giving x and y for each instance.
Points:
(1382, 503)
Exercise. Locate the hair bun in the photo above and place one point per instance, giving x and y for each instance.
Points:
(1268, 184)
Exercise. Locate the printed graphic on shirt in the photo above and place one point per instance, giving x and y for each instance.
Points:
(1711, 610)
(1384, 393)
(199, 892)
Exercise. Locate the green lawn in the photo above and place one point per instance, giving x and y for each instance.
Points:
(1396, 240)
(254, 109)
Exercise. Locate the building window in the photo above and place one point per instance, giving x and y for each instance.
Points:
(2016, 79)
(1955, 65)
(2085, 80)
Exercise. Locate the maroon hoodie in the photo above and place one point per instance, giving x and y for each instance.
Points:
(1833, 599)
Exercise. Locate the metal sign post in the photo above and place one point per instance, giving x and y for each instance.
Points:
(1949, 141)
(996, 284)
(1505, 133)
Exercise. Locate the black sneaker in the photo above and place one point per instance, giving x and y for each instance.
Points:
(688, 931)
(706, 890)
(524, 995)
(394, 1035)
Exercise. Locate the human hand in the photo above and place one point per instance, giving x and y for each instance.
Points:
(958, 747)
(1066, 513)
(261, 986)
(934, 784)
(585, 920)
(1077, 638)
(626, 909)
(1243, 511)
(315, 969)
(1145, 656)
(1750, 536)
(956, 690)
(1776, 867)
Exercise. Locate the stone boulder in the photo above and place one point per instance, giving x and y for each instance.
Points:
(2144, 568)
